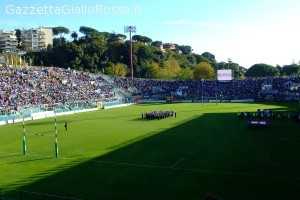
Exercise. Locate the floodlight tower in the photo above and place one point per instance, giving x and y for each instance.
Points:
(130, 29)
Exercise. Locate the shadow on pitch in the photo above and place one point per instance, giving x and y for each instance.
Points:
(10, 156)
(154, 166)
(31, 160)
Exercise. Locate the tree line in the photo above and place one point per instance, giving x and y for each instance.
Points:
(106, 52)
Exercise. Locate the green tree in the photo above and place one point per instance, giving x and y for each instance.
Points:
(137, 38)
(19, 39)
(185, 49)
(118, 69)
(66, 53)
(200, 58)
(135, 46)
(87, 31)
(170, 55)
(243, 71)
(158, 56)
(77, 64)
(121, 37)
(74, 35)
(107, 35)
(59, 41)
(116, 52)
(126, 55)
(156, 43)
(291, 70)
(40, 57)
(185, 74)
(153, 71)
(223, 65)
(60, 31)
(170, 70)
(96, 45)
(49, 47)
(145, 53)
(89, 62)
(113, 37)
(262, 70)
(204, 70)
(212, 59)
(148, 69)
(143, 39)
(185, 61)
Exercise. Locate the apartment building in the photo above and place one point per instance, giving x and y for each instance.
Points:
(8, 41)
(169, 47)
(37, 39)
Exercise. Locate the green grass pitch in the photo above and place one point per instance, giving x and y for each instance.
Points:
(114, 154)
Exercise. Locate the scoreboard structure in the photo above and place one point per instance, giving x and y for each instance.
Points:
(225, 75)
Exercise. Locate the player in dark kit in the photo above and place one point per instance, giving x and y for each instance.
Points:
(66, 125)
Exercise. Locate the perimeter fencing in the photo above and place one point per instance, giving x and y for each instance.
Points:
(30, 112)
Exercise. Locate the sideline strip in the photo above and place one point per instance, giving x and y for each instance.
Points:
(169, 167)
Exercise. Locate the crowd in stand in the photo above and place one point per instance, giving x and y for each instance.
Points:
(248, 88)
(158, 114)
(22, 87)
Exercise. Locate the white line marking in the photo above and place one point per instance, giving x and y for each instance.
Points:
(179, 161)
(170, 168)
(197, 170)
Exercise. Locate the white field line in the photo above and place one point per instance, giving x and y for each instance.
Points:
(179, 161)
(170, 168)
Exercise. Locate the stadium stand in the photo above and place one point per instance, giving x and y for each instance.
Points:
(279, 89)
(29, 89)
(26, 90)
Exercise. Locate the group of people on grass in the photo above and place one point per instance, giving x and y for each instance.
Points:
(158, 114)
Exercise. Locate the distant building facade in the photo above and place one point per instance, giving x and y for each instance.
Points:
(37, 39)
(169, 47)
(8, 41)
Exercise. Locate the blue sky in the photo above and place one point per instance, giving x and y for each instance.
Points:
(246, 31)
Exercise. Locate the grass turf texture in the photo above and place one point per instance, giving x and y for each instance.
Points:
(114, 154)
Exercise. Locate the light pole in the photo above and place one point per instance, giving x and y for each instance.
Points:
(238, 75)
(130, 29)
(216, 84)
(202, 80)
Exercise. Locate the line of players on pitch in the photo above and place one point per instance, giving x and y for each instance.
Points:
(268, 114)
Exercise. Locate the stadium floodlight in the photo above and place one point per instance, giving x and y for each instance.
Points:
(202, 80)
(130, 29)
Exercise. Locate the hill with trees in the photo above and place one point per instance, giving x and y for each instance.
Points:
(97, 51)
